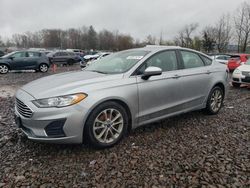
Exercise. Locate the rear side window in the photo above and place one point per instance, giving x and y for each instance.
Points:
(191, 60)
(223, 57)
(206, 60)
(63, 54)
(34, 54)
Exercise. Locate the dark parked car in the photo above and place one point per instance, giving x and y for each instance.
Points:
(24, 60)
(1, 53)
(63, 57)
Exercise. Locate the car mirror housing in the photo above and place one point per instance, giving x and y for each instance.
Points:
(151, 71)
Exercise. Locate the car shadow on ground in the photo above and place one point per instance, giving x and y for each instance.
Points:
(142, 131)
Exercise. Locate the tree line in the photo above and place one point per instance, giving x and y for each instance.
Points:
(234, 29)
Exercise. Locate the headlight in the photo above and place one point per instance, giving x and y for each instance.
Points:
(60, 101)
(237, 71)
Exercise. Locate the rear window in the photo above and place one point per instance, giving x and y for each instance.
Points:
(235, 57)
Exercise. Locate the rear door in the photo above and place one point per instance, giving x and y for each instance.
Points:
(195, 79)
(64, 56)
(57, 57)
(32, 59)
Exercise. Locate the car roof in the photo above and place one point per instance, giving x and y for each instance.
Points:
(155, 48)
(158, 48)
(33, 51)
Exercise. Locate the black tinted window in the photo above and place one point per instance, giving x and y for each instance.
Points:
(191, 60)
(166, 60)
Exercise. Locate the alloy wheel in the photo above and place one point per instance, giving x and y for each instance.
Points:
(216, 100)
(108, 126)
(3, 69)
(43, 68)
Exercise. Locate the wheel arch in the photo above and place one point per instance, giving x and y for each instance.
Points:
(116, 100)
(6, 65)
(222, 86)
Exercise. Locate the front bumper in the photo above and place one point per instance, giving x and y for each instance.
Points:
(55, 125)
(242, 79)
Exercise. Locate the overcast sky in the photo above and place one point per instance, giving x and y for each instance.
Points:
(136, 17)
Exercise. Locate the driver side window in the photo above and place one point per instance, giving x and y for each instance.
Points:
(19, 54)
(166, 60)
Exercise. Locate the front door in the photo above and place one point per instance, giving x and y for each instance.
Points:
(159, 95)
(17, 62)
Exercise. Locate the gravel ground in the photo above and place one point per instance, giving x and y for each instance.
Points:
(191, 150)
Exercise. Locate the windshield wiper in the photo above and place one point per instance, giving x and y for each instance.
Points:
(98, 71)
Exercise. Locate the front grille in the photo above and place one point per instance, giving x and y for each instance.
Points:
(23, 109)
(236, 79)
(245, 73)
(247, 79)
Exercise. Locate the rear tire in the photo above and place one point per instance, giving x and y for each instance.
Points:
(43, 67)
(4, 69)
(71, 61)
(106, 125)
(215, 100)
(236, 84)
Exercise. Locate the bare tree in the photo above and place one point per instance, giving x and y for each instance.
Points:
(223, 33)
(184, 37)
(150, 40)
(242, 26)
(106, 40)
(1, 42)
(208, 39)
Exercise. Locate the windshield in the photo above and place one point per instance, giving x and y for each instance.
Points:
(248, 61)
(8, 55)
(119, 62)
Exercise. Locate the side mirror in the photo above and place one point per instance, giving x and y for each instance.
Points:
(151, 71)
(11, 57)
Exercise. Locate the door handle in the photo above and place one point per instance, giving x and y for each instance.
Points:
(176, 76)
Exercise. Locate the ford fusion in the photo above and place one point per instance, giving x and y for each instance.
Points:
(118, 93)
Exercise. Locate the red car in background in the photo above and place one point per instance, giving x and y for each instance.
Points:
(236, 60)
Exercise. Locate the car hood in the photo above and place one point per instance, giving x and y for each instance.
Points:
(66, 83)
(244, 68)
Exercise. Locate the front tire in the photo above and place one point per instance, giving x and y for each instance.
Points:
(106, 125)
(215, 100)
(4, 69)
(43, 67)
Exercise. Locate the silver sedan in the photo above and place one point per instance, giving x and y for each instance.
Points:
(118, 93)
